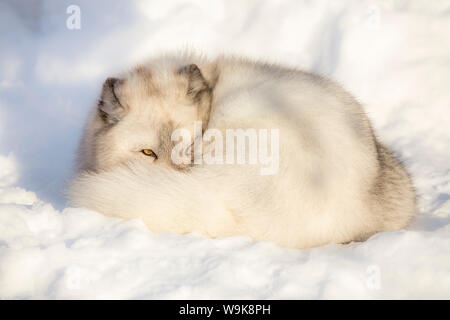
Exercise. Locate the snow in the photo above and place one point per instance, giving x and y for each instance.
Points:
(394, 56)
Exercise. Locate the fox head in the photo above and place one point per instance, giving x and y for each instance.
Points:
(137, 113)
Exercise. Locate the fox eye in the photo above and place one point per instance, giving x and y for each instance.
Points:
(150, 153)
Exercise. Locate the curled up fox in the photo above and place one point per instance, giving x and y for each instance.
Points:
(230, 146)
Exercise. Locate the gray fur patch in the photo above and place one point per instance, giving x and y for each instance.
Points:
(109, 108)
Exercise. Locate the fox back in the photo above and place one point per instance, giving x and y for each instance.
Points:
(333, 182)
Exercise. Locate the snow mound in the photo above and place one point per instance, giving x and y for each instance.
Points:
(393, 56)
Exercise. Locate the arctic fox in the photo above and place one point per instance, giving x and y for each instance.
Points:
(334, 181)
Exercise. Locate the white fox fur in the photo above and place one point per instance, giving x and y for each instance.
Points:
(336, 183)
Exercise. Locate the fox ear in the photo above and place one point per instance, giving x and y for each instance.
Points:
(197, 84)
(199, 90)
(109, 108)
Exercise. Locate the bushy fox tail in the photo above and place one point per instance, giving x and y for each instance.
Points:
(164, 198)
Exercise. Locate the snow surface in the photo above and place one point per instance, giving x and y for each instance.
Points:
(394, 56)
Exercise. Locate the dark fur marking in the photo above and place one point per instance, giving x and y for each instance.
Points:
(110, 109)
(197, 84)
